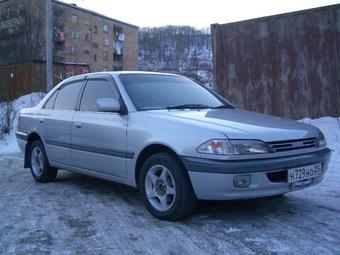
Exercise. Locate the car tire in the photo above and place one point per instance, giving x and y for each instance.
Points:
(165, 187)
(40, 168)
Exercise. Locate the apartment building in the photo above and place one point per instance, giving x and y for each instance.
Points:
(84, 36)
(83, 41)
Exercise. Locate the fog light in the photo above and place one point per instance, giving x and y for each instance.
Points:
(242, 181)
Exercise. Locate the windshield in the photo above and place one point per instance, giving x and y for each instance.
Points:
(150, 91)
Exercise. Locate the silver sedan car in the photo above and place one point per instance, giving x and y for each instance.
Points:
(174, 140)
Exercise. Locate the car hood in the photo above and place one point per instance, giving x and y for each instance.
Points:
(241, 124)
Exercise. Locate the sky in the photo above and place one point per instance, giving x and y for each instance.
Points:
(200, 14)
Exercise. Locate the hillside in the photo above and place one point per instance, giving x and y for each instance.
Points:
(177, 49)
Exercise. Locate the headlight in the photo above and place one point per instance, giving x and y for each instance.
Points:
(246, 147)
(322, 140)
(233, 147)
(216, 147)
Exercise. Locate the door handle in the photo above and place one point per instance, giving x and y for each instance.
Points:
(77, 124)
(41, 121)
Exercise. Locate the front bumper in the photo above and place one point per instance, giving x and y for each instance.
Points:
(214, 179)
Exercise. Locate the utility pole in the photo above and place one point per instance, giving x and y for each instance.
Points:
(48, 43)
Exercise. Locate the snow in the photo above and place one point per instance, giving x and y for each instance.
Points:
(9, 144)
(330, 127)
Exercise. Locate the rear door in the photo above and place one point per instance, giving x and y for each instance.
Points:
(99, 138)
(56, 122)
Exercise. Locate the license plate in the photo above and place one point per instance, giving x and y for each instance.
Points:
(304, 173)
(302, 183)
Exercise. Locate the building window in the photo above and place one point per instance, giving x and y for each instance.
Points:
(106, 41)
(20, 8)
(106, 69)
(95, 29)
(86, 36)
(74, 34)
(74, 18)
(95, 45)
(59, 46)
(117, 68)
(117, 58)
(8, 12)
(106, 28)
(95, 57)
(74, 49)
(106, 56)
(86, 52)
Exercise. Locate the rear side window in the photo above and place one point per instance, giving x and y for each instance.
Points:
(50, 102)
(68, 96)
(94, 90)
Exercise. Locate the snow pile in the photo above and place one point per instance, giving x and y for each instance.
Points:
(330, 127)
(9, 144)
(327, 192)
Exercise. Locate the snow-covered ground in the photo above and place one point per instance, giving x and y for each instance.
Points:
(9, 144)
(83, 215)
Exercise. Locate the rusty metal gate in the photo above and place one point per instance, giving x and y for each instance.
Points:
(286, 65)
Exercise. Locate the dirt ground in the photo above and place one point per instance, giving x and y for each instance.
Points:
(83, 215)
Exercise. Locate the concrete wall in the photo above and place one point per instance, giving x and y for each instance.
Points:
(286, 65)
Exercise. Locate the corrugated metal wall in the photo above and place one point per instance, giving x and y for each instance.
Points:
(286, 65)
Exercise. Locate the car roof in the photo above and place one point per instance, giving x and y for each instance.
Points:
(114, 73)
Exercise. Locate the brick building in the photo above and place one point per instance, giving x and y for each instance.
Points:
(83, 41)
(88, 37)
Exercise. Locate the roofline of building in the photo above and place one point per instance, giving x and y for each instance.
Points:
(94, 13)
(275, 16)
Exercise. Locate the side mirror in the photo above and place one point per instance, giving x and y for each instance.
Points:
(108, 105)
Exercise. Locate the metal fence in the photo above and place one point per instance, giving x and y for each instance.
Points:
(286, 65)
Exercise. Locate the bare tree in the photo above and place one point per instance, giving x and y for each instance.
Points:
(6, 108)
(24, 42)
(32, 26)
(177, 49)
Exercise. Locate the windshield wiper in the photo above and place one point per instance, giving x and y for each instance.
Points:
(188, 106)
(224, 107)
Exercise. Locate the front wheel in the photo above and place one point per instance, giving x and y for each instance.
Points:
(165, 187)
(40, 168)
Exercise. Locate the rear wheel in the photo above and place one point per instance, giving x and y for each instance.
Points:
(165, 187)
(40, 168)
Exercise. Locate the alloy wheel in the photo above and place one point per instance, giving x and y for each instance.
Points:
(160, 188)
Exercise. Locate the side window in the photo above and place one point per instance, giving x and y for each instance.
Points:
(68, 96)
(94, 90)
(50, 102)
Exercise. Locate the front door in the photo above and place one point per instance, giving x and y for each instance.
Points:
(99, 138)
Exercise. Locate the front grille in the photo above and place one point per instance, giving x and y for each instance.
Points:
(293, 144)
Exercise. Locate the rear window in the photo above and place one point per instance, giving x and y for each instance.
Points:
(68, 96)
(50, 102)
